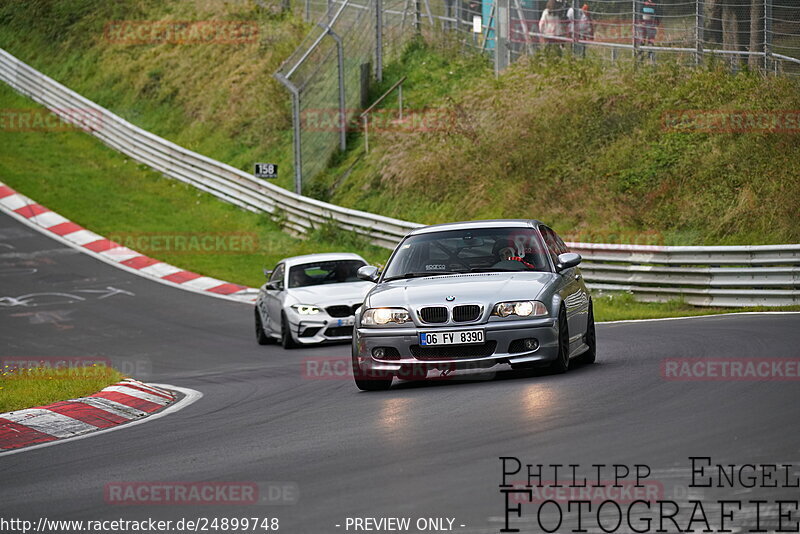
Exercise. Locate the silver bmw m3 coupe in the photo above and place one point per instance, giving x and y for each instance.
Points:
(473, 295)
(310, 299)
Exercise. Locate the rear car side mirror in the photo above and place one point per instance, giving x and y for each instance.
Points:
(368, 273)
(567, 260)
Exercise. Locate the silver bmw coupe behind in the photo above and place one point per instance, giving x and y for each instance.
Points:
(473, 295)
(310, 299)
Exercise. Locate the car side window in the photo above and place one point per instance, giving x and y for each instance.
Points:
(277, 274)
(550, 241)
(562, 247)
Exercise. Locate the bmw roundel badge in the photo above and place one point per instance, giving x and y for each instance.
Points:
(451, 298)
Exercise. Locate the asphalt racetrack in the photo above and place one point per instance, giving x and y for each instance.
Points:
(426, 449)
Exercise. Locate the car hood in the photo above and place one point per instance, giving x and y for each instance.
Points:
(327, 294)
(480, 288)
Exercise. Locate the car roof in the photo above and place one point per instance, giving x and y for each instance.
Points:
(327, 256)
(489, 223)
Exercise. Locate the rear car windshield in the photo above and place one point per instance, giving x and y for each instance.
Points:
(476, 250)
(326, 272)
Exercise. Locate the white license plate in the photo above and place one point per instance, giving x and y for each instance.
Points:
(459, 337)
(350, 321)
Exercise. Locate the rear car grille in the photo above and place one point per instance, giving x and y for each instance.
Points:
(433, 314)
(453, 352)
(338, 331)
(339, 311)
(466, 313)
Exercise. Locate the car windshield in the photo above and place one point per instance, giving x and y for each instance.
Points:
(325, 272)
(468, 250)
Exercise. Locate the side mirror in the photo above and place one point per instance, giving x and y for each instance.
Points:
(567, 260)
(368, 273)
(267, 272)
(274, 286)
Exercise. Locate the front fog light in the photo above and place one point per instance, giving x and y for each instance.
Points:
(379, 353)
(531, 343)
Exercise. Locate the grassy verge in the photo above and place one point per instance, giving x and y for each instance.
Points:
(619, 307)
(102, 190)
(22, 388)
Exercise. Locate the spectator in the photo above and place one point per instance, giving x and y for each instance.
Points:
(551, 27)
(581, 28)
(647, 22)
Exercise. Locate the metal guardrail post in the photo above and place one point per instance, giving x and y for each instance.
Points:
(307, 11)
(379, 40)
(699, 34)
(297, 146)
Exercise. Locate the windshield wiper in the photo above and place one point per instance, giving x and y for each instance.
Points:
(420, 274)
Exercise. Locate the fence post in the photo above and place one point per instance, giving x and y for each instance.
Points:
(307, 11)
(634, 33)
(501, 36)
(342, 111)
(699, 35)
(417, 17)
(767, 33)
(379, 40)
(298, 159)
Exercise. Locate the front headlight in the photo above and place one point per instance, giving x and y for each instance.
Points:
(384, 316)
(521, 308)
(306, 309)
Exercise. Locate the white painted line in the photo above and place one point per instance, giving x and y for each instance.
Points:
(699, 317)
(117, 408)
(82, 237)
(15, 201)
(51, 423)
(48, 219)
(160, 270)
(190, 396)
(138, 394)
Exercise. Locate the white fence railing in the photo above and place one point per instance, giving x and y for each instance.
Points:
(706, 276)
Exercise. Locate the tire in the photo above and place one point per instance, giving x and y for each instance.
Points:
(261, 337)
(561, 364)
(366, 381)
(591, 339)
(286, 336)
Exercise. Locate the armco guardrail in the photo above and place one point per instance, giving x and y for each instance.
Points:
(705, 276)
(219, 179)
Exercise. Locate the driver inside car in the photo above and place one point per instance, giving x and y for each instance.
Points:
(508, 256)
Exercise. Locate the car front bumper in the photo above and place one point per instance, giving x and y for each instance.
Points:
(499, 333)
(322, 327)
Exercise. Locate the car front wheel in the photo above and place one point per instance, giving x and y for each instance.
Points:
(261, 337)
(287, 340)
(561, 364)
(591, 339)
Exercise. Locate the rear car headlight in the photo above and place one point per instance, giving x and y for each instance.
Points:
(520, 308)
(384, 316)
(306, 309)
